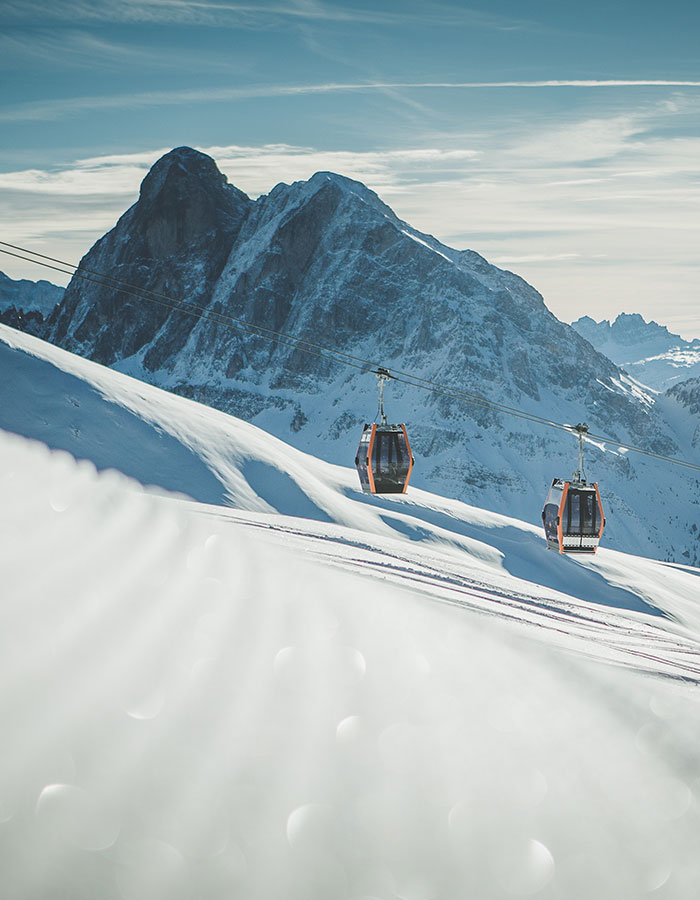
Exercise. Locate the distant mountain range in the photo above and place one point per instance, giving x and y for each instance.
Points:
(26, 304)
(648, 351)
(327, 262)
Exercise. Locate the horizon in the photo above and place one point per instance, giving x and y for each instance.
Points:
(563, 145)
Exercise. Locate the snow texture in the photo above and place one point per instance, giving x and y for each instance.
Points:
(270, 685)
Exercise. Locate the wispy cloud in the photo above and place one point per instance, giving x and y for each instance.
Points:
(254, 169)
(80, 49)
(255, 15)
(56, 109)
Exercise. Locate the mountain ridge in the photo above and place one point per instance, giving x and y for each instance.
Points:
(647, 350)
(26, 304)
(326, 261)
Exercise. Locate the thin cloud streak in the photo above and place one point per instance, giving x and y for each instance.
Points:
(254, 15)
(79, 49)
(56, 109)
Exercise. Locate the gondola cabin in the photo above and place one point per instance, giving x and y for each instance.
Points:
(384, 461)
(573, 517)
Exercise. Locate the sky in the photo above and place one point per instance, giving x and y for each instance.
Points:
(559, 140)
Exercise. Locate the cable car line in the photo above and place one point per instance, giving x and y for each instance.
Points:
(336, 355)
(318, 350)
(281, 338)
(181, 304)
(199, 312)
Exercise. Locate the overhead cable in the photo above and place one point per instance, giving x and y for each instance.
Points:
(311, 347)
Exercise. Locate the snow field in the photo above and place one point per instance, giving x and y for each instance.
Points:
(281, 688)
(192, 710)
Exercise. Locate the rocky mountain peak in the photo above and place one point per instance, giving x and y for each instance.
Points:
(183, 163)
(353, 188)
(632, 327)
(174, 240)
(647, 350)
(184, 200)
(626, 329)
(687, 393)
(35, 296)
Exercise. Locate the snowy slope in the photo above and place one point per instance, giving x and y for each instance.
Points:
(175, 444)
(281, 688)
(46, 387)
(647, 350)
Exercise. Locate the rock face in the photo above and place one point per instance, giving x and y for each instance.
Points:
(25, 304)
(325, 261)
(647, 350)
(174, 241)
(686, 396)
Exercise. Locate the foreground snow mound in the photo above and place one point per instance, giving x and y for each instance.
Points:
(269, 685)
(190, 710)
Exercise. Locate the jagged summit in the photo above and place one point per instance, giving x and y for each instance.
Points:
(328, 194)
(355, 188)
(627, 328)
(35, 296)
(26, 304)
(174, 240)
(647, 350)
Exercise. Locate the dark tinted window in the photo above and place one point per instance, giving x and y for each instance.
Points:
(581, 513)
(390, 461)
(589, 507)
(551, 513)
(574, 511)
(362, 458)
(388, 454)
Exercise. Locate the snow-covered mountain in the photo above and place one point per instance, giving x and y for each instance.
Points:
(39, 296)
(327, 262)
(25, 304)
(647, 350)
(278, 687)
(681, 404)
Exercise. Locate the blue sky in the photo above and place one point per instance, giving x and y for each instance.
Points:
(588, 186)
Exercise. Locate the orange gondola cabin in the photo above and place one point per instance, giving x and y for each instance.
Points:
(573, 517)
(384, 461)
(573, 513)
